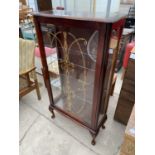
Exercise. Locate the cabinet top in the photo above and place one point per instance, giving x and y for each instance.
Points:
(104, 17)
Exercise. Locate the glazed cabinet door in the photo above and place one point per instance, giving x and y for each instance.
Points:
(71, 59)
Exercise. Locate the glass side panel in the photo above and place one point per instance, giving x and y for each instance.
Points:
(71, 66)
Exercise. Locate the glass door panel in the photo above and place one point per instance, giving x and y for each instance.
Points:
(72, 69)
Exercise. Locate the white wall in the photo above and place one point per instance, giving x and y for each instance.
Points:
(73, 5)
(83, 5)
(115, 5)
(87, 5)
(70, 5)
(101, 5)
(56, 3)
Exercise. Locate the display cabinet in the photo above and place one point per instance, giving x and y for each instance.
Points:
(81, 40)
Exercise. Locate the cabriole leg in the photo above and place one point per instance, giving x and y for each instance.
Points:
(52, 111)
(93, 142)
(53, 115)
(103, 126)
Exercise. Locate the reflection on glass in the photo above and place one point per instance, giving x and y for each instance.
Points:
(72, 70)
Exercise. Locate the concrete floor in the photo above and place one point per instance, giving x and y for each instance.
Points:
(41, 135)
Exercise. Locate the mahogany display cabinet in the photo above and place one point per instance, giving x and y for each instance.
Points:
(75, 74)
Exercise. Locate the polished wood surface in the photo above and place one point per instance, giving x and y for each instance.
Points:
(103, 17)
(81, 74)
(127, 95)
